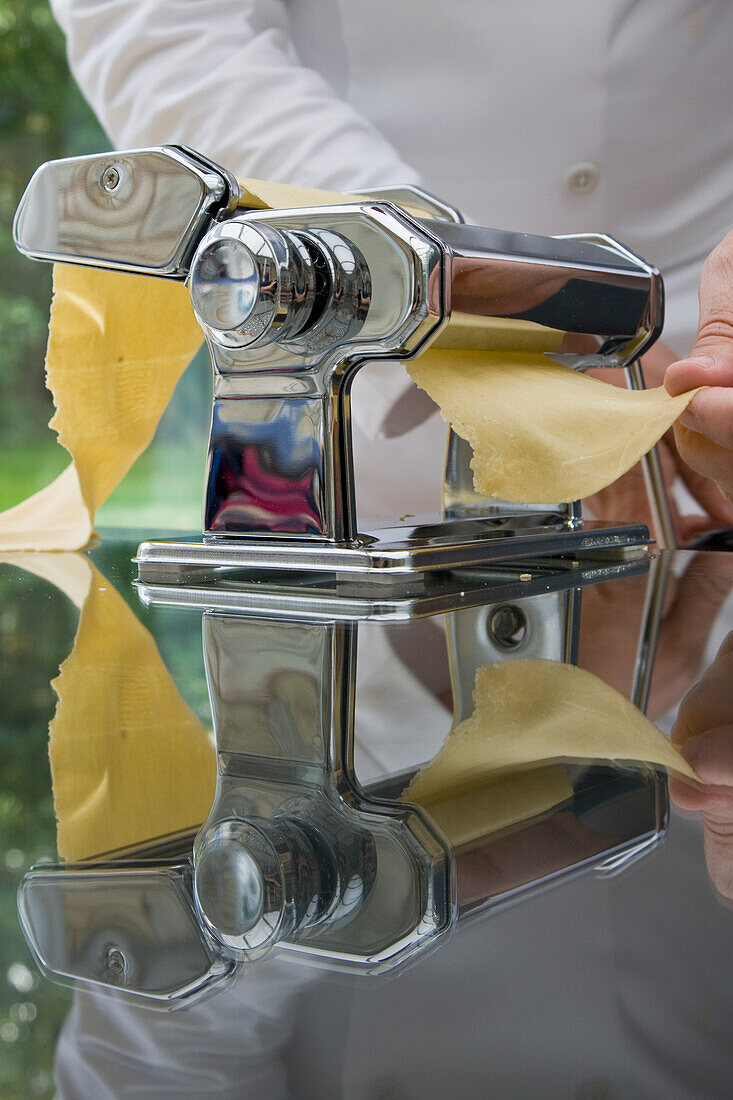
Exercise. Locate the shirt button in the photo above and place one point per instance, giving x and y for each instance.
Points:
(583, 178)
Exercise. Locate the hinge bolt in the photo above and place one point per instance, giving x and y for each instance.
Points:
(110, 178)
(115, 966)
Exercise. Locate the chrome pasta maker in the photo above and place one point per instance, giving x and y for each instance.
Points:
(293, 302)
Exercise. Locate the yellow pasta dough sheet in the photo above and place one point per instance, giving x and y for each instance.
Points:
(54, 518)
(130, 761)
(542, 433)
(117, 346)
(257, 194)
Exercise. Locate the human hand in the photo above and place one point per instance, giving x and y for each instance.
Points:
(704, 731)
(626, 499)
(704, 433)
(612, 618)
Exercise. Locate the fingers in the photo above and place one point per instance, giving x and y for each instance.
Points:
(685, 630)
(718, 508)
(704, 434)
(704, 731)
(710, 362)
(700, 370)
(710, 413)
(716, 811)
(709, 459)
(719, 855)
(703, 590)
(693, 527)
(711, 755)
(707, 494)
(706, 710)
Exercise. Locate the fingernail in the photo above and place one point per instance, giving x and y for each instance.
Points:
(689, 420)
(694, 753)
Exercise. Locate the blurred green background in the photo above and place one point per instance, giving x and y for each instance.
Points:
(37, 627)
(42, 116)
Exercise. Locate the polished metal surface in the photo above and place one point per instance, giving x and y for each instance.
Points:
(256, 882)
(294, 302)
(251, 284)
(414, 198)
(291, 854)
(398, 551)
(292, 595)
(293, 876)
(584, 300)
(140, 210)
(543, 626)
(516, 287)
(280, 461)
(83, 924)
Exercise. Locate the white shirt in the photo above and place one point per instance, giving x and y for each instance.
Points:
(497, 105)
(491, 103)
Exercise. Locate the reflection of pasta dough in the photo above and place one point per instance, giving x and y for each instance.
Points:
(542, 433)
(468, 817)
(130, 762)
(531, 711)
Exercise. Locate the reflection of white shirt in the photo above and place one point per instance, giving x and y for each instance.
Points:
(495, 104)
(592, 991)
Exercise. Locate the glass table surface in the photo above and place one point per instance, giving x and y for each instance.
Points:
(562, 929)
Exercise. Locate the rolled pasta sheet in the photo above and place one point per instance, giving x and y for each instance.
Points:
(542, 433)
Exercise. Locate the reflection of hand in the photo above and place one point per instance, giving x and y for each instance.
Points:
(704, 729)
(626, 500)
(503, 288)
(704, 434)
(610, 622)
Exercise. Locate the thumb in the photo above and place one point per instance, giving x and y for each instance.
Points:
(710, 362)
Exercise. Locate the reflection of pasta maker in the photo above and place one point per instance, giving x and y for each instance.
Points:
(293, 302)
(299, 850)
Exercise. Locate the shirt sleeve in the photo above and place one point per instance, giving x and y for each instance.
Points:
(232, 1046)
(223, 77)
